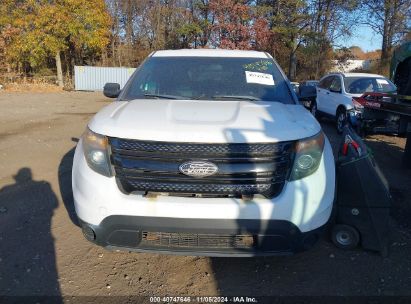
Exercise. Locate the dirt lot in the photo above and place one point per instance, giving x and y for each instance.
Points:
(43, 252)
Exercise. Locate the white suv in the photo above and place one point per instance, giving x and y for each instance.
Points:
(336, 93)
(205, 152)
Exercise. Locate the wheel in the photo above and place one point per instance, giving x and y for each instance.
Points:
(341, 120)
(313, 108)
(345, 237)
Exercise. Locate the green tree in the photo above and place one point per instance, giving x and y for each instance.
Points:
(292, 26)
(48, 28)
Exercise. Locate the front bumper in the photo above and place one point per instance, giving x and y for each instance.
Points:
(302, 207)
(200, 237)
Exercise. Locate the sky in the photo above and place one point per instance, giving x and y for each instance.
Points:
(363, 37)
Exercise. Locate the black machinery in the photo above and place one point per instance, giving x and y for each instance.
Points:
(363, 199)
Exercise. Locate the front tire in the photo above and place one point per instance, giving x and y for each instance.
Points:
(341, 120)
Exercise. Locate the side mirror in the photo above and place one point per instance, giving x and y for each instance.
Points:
(111, 90)
(307, 92)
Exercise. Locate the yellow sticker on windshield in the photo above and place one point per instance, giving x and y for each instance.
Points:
(260, 78)
(261, 66)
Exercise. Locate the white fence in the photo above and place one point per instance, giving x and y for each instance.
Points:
(351, 65)
(89, 78)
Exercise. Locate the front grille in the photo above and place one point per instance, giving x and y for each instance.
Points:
(192, 240)
(204, 149)
(243, 169)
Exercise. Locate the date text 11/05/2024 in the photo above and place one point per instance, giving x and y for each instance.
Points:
(200, 299)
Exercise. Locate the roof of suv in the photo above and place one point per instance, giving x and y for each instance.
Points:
(355, 74)
(210, 53)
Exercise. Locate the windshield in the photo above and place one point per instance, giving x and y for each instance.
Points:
(360, 85)
(208, 78)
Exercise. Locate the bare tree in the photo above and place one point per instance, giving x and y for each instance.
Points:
(391, 20)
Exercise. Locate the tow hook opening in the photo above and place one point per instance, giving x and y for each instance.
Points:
(88, 233)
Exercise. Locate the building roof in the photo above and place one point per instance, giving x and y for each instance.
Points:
(210, 53)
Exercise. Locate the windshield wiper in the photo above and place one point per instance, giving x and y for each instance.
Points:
(232, 97)
(159, 96)
(236, 97)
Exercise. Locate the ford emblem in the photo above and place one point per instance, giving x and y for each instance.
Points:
(198, 168)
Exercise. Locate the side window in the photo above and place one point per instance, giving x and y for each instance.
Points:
(321, 83)
(326, 82)
(336, 84)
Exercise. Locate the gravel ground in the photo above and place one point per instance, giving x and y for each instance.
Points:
(43, 252)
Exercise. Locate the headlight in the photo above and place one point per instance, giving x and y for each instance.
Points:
(307, 156)
(95, 148)
(357, 105)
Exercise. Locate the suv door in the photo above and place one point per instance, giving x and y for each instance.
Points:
(323, 94)
(335, 95)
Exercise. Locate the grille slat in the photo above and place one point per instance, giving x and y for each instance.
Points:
(235, 189)
(193, 240)
(130, 166)
(172, 157)
(244, 169)
(196, 181)
(202, 148)
(268, 177)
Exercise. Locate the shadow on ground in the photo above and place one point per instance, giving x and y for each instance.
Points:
(27, 253)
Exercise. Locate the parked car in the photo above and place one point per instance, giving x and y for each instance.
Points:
(220, 161)
(307, 95)
(336, 93)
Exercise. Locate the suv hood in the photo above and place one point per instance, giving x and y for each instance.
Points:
(204, 121)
